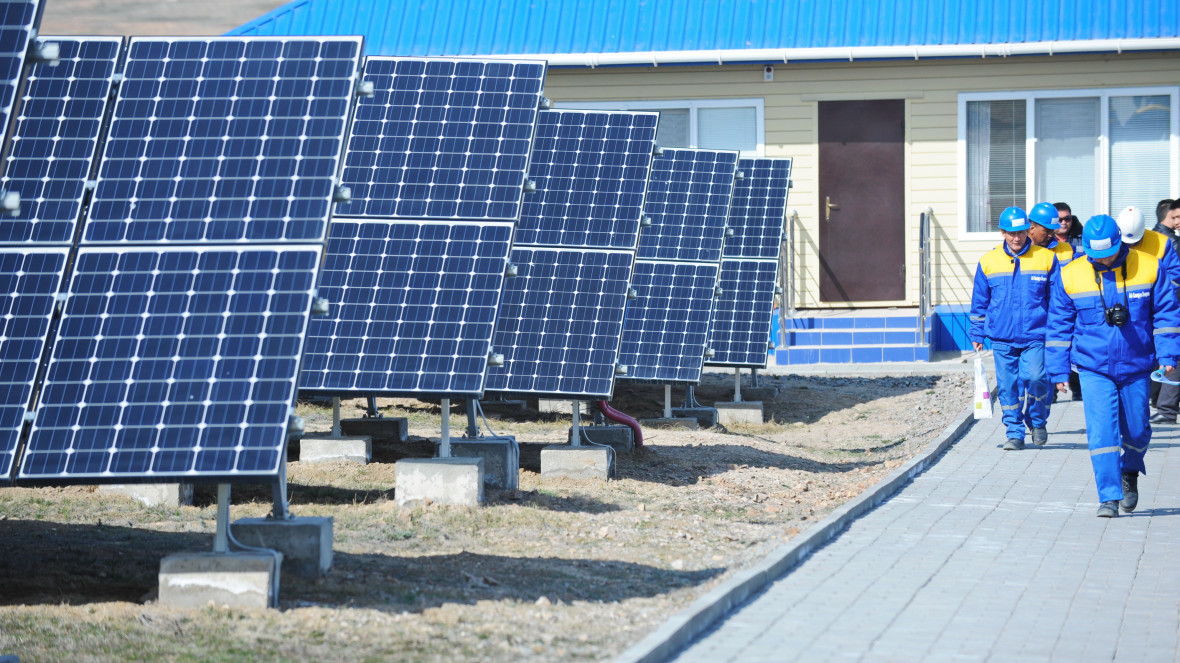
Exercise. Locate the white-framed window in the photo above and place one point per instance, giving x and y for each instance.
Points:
(713, 124)
(1098, 150)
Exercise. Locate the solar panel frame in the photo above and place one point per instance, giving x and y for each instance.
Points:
(688, 200)
(759, 209)
(176, 167)
(413, 308)
(173, 363)
(30, 279)
(740, 331)
(443, 138)
(55, 139)
(19, 21)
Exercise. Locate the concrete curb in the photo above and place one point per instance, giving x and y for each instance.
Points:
(683, 627)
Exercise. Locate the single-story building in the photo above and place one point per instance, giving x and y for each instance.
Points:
(890, 109)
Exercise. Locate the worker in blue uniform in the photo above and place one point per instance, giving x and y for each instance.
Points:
(1009, 305)
(1043, 225)
(1115, 315)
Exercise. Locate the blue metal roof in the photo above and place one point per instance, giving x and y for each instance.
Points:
(500, 27)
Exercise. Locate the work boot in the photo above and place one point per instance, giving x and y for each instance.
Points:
(1013, 444)
(1130, 491)
(1040, 436)
(1108, 509)
(1161, 418)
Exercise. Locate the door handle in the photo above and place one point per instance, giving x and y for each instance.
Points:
(829, 206)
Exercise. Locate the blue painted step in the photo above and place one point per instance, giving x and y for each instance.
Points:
(854, 337)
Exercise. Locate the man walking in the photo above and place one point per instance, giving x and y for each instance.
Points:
(1009, 304)
(1043, 225)
(1115, 315)
(1166, 397)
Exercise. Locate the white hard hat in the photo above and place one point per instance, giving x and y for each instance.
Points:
(1131, 224)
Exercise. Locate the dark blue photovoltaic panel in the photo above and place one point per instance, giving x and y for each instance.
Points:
(688, 200)
(174, 363)
(30, 280)
(759, 208)
(740, 333)
(560, 322)
(412, 307)
(18, 24)
(443, 138)
(55, 139)
(225, 140)
(666, 329)
(591, 169)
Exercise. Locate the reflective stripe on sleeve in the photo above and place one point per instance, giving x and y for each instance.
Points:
(1168, 330)
(1141, 449)
(1058, 344)
(1104, 450)
(979, 318)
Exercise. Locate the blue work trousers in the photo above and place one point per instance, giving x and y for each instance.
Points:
(1116, 421)
(1018, 367)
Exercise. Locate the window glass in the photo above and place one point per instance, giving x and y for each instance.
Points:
(995, 161)
(672, 130)
(1139, 152)
(1067, 153)
(727, 129)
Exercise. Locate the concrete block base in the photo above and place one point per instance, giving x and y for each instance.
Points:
(238, 580)
(306, 543)
(325, 449)
(153, 494)
(560, 461)
(501, 459)
(620, 438)
(677, 423)
(440, 480)
(745, 412)
(378, 429)
(706, 416)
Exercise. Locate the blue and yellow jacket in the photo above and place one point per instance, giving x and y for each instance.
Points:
(1064, 251)
(1078, 332)
(1157, 246)
(1010, 299)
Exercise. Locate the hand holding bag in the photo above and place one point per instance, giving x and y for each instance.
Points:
(983, 395)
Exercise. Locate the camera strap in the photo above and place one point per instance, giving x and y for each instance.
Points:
(1102, 293)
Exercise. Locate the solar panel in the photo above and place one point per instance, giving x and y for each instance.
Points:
(740, 333)
(688, 201)
(55, 139)
(666, 328)
(413, 306)
(560, 322)
(224, 139)
(30, 279)
(759, 208)
(18, 25)
(173, 363)
(443, 138)
(591, 169)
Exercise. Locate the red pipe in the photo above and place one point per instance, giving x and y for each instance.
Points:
(627, 420)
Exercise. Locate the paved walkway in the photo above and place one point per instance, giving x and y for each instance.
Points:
(987, 556)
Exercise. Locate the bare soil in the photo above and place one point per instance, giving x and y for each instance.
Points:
(561, 570)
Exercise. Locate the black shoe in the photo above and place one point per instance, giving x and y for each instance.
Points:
(1108, 509)
(1013, 444)
(1161, 418)
(1040, 436)
(1130, 491)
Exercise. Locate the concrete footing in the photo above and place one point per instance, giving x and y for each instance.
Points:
(327, 449)
(238, 580)
(153, 494)
(706, 416)
(560, 461)
(745, 412)
(501, 459)
(306, 543)
(620, 438)
(678, 423)
(440, 480)
(377, 429)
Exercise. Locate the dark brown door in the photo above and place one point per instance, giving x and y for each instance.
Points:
(862, 200)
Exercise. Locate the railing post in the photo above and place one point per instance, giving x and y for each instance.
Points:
(786, 309)
(924, 293)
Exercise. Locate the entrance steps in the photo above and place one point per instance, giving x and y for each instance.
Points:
(854, 336)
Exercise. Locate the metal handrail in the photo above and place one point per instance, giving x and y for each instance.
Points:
(925, 294)
(786, 271)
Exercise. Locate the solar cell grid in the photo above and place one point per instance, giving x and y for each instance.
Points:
(688, 200)
(443, 138)
(173, 362)
(29, 282)
(740, 333)
(18, 25)
(55, 139)
(413, 305)
(560, 322)
(759, 208)
(224, 140)
(591, 169)
(666, 329)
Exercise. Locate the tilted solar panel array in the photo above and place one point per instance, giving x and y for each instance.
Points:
(666, 330)
(749, 268)
(561, 321)
(416, 263)
(19, 21)
(181, 333)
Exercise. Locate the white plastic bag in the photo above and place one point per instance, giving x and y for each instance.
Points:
(983, 395)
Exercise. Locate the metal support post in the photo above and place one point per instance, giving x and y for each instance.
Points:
(753, 377)
(472, 422)
(221, 538)
(444, 443)
(576, 428)
(373, 407)
(667, 401)
(282, 508)
(737, 385)
(336, 416)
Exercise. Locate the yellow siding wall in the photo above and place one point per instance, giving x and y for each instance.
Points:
(930, 88)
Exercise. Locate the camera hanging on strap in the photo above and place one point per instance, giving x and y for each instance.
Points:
(1119, 314)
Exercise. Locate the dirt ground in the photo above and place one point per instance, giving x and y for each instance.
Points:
(150, 17)
(561, 570)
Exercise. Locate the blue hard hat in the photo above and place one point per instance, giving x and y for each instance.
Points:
(1013, 220)
(1101, 238)
(1044, 214)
